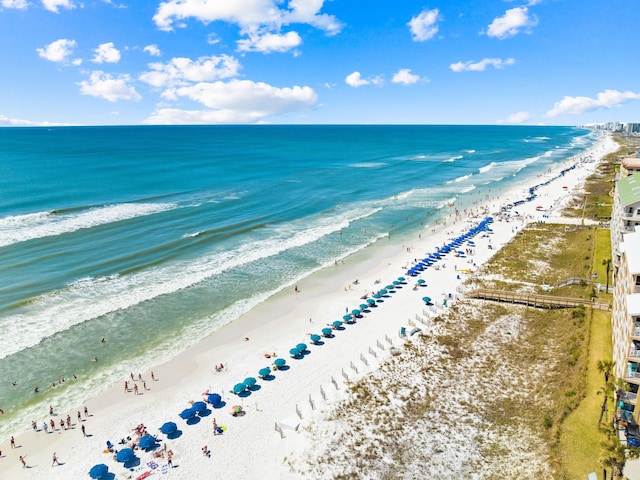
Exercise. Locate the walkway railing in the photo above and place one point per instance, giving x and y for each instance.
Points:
(535, 300)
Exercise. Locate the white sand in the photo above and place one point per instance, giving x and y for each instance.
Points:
(251, 448)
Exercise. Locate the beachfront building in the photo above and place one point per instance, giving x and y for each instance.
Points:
(625, 216)
(629, 165)
(625, 323)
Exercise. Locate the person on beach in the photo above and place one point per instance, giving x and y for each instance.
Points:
(34, 426)
(86, 411)
(13, 442)
(84, 433)
(50, 409)
(45, 427)
(53, 425)
(170, 458)
(126, 386)
(55, 460)
(79, 416)
(23, 461)
(135, 389)
(62, 426)
(153, 376)
(215, 427)
(205, 451)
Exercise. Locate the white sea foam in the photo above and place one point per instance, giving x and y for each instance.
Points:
(20, 228)
(90, 298)
(468, 189)
(460, 179)
(368, 165)
(486, 168)
(453, 159)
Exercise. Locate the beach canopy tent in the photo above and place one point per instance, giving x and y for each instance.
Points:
(326, 331)
(125, 455)
(199, 407)
(148, 442)
(249, 382)
(188, 413)
(168, 428)
(214, 398)
(239, 388)
(264, 372)
(279, 362)
(315, 338)
(98, 471)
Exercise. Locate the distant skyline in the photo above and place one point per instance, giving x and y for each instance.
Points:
(126, 62)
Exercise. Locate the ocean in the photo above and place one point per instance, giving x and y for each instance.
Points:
(154, 237)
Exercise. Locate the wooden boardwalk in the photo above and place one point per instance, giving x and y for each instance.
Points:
(534, 300)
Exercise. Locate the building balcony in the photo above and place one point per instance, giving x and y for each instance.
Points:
(628, 397)
(633, 377)
(633, 353)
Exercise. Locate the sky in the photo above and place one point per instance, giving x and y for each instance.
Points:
(136, 62)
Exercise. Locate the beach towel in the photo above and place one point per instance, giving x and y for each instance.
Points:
(165, 468)
(152, 465)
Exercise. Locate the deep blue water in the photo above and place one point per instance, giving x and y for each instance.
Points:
(147, 233)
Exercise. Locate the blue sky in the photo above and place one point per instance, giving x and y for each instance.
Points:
(97, 62)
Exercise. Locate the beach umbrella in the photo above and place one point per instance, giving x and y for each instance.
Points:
(98, 471)
(264, 372)
(125, 455)
(426, 299)
(421, 281)
(187, 413)
(239, 388)
(396, 282)
(390, 287)
(383, 292)
(236, 409)
(326, 331)
(363, 306)
(371, 301)
(294, 352)
(377, 296)
(168, 428)
(401, 279)
(199, 407)
(249, 382)
(147, 442)
(279, 362)
(301, 347)
(315, 338)
(346, 318)
(337, 323)
(214, 399)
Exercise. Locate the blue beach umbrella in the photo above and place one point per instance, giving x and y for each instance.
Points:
(421, 281)
(346, 318)
(315, 338)
(147, 442)
(279, 362)
(168, 428)
(98, 471)
(294, 352)
(337, 323)
(188, 413)
(249, 382)
(301, 347)
(383, 292)
(326, 331)
(371, 301)
(396, 282)
(264, 372)
(363, 306)
(355, 312)
(214, 398)
(401, 279)
(390, 287)
(426, 299)
(125, 455)
(378, 296)
(239, 388)
(199, 407)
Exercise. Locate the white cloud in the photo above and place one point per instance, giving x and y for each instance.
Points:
(513, 21)
(246, 13)
(182, 71)
(106, 53)
(57, 51)
(152, 50)
(577, 105)
(236, 101)
(53, 5)
(355, 80)
(270, 42)
(19, 4)
(423, 27)
(405, 77)
(480, 66)
(515, 118)
(15, 122)
(111, 88)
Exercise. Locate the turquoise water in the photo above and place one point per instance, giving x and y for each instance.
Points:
(143, 234)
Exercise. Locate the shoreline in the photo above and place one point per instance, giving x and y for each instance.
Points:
(273, 326)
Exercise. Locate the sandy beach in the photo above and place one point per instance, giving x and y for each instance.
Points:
(257, 443)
